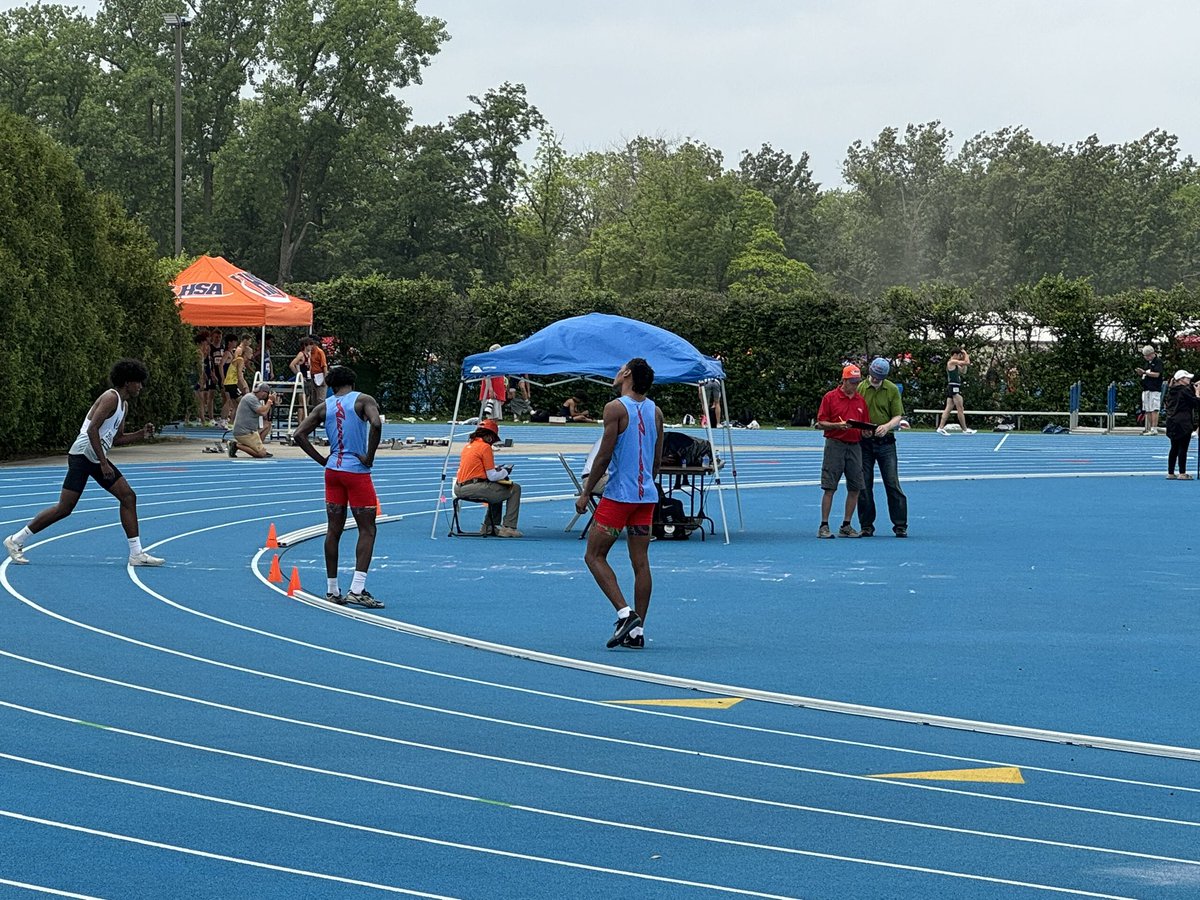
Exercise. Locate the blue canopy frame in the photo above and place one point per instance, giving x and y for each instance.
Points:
(594, 347)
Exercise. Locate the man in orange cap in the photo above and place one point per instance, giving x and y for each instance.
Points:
(481, 480)
(843, 456)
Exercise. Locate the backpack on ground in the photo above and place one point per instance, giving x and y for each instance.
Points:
(670, 521)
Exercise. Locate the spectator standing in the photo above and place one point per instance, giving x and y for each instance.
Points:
(353, 424)
(102, 429)
(1182, 402)
(318, 367)
(492, 394)
(885, 410)
(955, 367)
(843, 455)
(1152, 384)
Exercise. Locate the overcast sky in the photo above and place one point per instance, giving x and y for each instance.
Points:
(815, 75)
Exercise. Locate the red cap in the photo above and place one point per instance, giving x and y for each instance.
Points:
(851, 373)
(489, 425)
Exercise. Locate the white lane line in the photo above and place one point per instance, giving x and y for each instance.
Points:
(158, 845)
(584, 773)
(42, 889)
(591, 820)
(529, 726)
(320, 604)
(491, 851)
(1001, 444)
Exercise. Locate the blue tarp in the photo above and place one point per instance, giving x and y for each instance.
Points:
(597, 344)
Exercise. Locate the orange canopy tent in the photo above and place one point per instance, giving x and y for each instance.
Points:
(213, 291)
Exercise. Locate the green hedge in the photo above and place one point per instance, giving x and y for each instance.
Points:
(81, 289)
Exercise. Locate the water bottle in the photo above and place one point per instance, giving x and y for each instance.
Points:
(705, 461)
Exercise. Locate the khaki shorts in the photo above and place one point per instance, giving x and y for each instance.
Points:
(250, 441)
(841, 459)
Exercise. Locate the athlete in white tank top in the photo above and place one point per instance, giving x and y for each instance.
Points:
(88, 458)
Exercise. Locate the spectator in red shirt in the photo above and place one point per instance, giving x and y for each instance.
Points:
(843, 456)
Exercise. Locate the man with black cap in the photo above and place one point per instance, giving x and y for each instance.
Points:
(879, 446)
(481, 480)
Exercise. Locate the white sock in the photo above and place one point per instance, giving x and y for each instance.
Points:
(624, 613)
(135, 546)
(359, 582)
(22, 536)
(635, 632)
(331, 586)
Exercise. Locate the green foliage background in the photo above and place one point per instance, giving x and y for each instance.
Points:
(82, 289)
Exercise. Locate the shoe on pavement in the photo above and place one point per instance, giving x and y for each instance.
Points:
(848, 531)
(364, 599)
(232, 449)
(1171, 476)
(622, 629)
(634, 643)
(331, 597)
(1185, 477)
(901, 531)
(968, 431)
(505, 531)
(145, 559)
(942, 431)
(824, 532)
(15, 552)
(868, 531)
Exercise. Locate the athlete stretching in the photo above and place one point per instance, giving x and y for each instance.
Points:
(88, 458)
(630, 452)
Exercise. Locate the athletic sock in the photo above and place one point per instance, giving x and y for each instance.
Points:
(359, 583)
(22, 536)
(636, 632)
(845, 523)
(824, 524)
(624, 613)
(331, 586)
(135, 546)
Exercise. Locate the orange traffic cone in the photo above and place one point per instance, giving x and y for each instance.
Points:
(275, 576)
(272, 541)
(378, 507)
(294, 583)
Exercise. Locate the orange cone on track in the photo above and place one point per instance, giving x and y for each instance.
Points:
(378, 507)
(275, 576)
(272, 541)
(294, 583)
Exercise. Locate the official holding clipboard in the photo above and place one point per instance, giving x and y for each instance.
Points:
(841, 410)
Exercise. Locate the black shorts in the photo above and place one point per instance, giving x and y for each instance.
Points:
(80, 469)
(233, 392)
(953, 390)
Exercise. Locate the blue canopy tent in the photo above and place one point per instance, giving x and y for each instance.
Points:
(593, 348)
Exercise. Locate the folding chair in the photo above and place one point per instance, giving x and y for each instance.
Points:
(455, 526)
(578, 490)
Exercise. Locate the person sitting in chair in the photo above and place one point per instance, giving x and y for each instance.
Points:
(572, 411)
(479, 479)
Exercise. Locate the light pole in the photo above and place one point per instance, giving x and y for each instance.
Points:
(178, 23)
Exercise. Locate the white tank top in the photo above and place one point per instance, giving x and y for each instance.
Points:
(109, 430)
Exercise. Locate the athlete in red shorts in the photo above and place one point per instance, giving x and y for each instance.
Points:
(630, 452)
(352, 421)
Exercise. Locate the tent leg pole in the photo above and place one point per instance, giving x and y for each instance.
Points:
(437, 512)
(737, 492)
(716, 470)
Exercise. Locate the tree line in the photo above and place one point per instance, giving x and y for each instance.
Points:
(303, 164)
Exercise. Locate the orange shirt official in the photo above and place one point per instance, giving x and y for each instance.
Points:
(476, 459)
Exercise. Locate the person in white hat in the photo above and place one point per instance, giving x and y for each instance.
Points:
(1182, 402)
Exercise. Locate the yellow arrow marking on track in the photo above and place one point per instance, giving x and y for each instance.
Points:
(708, 703)
(996, 775)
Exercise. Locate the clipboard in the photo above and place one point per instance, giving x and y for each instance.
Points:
(865, 426)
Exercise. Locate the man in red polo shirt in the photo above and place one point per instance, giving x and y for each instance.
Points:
(843, 456)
